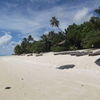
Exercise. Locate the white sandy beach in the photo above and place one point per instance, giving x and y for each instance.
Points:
(37, 78)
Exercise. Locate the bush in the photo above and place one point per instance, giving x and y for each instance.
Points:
(38, 47)
(92, 40)
(73, 47)
(57, 49)
(18, 50)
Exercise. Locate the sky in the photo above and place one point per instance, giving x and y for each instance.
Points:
(19, 18)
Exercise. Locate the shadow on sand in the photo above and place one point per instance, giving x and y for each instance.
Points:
(66, 67)
(98, 62)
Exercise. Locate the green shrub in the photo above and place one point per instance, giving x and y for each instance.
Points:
(73, 47)
(57, 49)
(18, 50)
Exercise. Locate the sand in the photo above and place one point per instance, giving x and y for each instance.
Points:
(37, 78)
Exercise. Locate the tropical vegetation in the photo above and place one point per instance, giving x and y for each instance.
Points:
(83, 36)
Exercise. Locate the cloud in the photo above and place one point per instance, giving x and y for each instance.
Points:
(7, 49)
(5, 39)
(37, 21)
(82, 15)
(46, 1)
(7, 45)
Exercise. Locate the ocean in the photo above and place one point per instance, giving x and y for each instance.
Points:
(4, 55)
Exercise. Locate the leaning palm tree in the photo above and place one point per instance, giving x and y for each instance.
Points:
(55, 22)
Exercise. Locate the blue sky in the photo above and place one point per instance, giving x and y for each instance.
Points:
(18, 18)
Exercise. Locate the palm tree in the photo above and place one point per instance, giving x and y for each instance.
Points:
(30, 38)
(55, 22)
(24, 44)
(46, 42)
(97, 10)
(18, 50)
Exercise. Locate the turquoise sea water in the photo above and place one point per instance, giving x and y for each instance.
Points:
(4, 55)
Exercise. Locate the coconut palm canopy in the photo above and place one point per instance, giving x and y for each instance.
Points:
(54, 22)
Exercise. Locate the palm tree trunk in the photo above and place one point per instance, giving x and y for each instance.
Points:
(60, 29)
